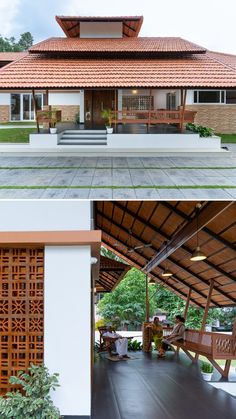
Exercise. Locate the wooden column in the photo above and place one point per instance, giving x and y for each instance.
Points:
(35, 110)
(115, 108)
(206, 310)
(183, 110)
(149, 112)
(181, 97)
(46, 101)
(187, 303)
(147, 300)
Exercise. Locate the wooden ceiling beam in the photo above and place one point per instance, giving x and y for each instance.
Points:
(208, 213)
(119, 226)
(220, 239)
(172, 260)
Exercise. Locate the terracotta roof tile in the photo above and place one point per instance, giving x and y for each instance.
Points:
(122, 45)
(38, 71)
(227, 59)
(11, 56)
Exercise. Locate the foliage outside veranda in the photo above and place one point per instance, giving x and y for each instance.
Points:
(35, 401)
(127, 303)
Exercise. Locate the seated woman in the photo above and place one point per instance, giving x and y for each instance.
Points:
(157, 333)
(176, 334)
(121, 343)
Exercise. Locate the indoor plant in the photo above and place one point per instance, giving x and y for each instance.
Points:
(34, 401)
(206, 370)
(108, 115)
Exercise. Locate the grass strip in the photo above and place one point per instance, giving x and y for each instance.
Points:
(115, 168)
(120, 187)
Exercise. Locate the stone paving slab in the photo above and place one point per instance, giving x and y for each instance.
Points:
(88, 177)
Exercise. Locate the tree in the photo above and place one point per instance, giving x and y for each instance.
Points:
(11, 45)
(127, 301)
(26, 41)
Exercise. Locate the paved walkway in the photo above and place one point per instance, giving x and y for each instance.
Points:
(186, 177)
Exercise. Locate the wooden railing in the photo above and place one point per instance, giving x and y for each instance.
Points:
(161, 116)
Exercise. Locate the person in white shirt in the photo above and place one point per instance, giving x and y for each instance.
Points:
(176, 334)
(121, 343)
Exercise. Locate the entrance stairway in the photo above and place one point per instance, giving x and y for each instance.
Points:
(83, 137)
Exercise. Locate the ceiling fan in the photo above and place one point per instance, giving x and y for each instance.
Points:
(130, 246)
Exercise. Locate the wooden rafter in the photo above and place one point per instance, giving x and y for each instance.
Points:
(211, 211)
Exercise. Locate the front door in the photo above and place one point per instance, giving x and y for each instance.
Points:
(95, 102)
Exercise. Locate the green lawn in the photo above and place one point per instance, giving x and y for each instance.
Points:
(227, 138)
(29, 123)
(15, 135)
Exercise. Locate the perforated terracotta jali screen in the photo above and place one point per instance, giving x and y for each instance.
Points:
(21, 310)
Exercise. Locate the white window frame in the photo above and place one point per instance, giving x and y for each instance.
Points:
(209, 103)
(21, 107)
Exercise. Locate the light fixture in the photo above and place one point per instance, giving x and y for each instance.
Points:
(93, 260)
(198, 255)
(134, 92)
(166, 273)
(152, 281)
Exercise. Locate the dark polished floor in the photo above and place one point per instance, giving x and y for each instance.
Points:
(148, 388)
(125, 128)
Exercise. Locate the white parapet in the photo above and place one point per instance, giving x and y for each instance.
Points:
(176, 142)
(44, 140)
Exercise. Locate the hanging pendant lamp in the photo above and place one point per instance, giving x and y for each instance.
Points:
(166, 273)
(152, 281)
(198, 255)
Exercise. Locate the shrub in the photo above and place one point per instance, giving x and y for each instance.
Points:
(206, 367)
(99, 323)
(134, 345)
(77, 118)
(199, 129)
(35, 402)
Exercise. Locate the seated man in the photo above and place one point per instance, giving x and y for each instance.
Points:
(120, 342)
(177, 334)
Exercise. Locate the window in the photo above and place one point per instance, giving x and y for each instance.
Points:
(231, 97)
(22, 106)
(137, 103)
(209, 96)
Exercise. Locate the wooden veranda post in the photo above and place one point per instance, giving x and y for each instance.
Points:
(206, 309)
(115, 109)
(147, 301)
(35, 110)
(149, 111)
(183, 111)
(187, 303)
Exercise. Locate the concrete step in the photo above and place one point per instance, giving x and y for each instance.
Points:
(83, 135)
(82, 142)
(85, 131)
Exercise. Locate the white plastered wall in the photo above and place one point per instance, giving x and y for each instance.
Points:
(101, 29)
(67, 326)
(64, 98)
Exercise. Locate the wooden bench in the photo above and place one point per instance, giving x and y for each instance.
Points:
(211, 345)
(105, 342)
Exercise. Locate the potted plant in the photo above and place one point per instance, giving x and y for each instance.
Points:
(33, 401)
(206, 370)
(108, 116)
(50, 116)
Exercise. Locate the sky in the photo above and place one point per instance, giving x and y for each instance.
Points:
(209, 23)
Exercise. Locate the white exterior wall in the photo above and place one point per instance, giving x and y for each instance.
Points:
(190, 97)
(5, 99)
(101, 30)
(67, 326)
(44, 215)
(64, 98)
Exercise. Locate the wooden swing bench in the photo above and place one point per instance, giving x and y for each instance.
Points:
(211, 345)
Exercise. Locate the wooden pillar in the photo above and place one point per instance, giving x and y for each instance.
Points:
(115, 109)
(35, 110)
(149, 112)
(183, 110)
(181, 97)
(187, 303)
(206, 310)
(46, 101)
(147, 300)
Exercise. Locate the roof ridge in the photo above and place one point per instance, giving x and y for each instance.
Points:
(221, 62)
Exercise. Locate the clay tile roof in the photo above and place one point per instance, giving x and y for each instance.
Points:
(120, 45)
(227, 59)
(39, 71)
(71, 24)
(11, 56)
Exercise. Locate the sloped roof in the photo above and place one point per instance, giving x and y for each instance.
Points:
(118, 45)
(157, 222)
(41, 71)
(11, 56)
(227, 59)
(71, 24)
(110, 274)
